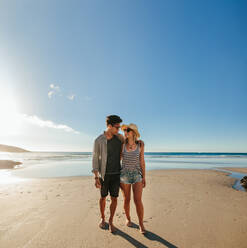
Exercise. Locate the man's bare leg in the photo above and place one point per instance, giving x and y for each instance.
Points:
(113, 207)
(102, 202)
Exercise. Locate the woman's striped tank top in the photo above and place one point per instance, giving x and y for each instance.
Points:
(131, 159)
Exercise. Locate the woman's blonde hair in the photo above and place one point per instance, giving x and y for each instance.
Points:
(134, 137)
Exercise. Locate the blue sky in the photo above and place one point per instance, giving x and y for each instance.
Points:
(178, 69)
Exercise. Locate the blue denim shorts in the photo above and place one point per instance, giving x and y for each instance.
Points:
(130, 176)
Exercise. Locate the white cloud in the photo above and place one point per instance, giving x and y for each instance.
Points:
(71, 97)
(50, 93)
(35, 120)
(55, 90)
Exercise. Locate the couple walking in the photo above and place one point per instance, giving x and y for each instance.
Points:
(110, 148)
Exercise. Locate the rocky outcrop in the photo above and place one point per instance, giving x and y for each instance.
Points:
(8, 164)
(243, 182)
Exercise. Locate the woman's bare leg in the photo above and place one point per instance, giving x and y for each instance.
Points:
(126, 190)
(137, 192)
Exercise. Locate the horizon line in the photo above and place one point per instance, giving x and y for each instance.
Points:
(153, 152)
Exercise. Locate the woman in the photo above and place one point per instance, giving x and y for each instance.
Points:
(133, 172)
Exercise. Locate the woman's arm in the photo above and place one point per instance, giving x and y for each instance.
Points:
(142, 162)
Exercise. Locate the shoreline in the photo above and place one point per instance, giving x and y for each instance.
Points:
(236, 169)
(240, 170)
(9, 165)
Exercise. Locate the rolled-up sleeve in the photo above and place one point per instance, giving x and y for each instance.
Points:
(95, 161)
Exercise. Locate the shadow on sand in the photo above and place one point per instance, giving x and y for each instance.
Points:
(149, 235)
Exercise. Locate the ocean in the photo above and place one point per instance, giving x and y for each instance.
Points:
(64, 164)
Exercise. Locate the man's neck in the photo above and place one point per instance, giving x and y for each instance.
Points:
(108, 134)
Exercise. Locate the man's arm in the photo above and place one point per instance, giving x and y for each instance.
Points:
(95, 164)
(95, 161)
(121, 138)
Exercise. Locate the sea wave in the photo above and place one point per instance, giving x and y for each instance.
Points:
(41, 157)
(195, 156)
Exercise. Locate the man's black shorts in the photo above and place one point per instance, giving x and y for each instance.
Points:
(110, 184)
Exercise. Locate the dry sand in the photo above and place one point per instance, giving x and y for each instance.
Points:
(183, 208)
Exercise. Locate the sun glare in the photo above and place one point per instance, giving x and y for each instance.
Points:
(7, 178)
(10, 121)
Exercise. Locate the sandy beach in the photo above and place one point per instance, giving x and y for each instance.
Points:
(183, 208)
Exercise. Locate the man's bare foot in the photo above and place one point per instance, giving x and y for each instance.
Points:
(102, 224)
(129, 223)
(113, 229)
(142, 229)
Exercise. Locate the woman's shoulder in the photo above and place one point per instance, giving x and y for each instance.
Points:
(141, 143)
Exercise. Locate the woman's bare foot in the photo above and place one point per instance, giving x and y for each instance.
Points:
(102, 224)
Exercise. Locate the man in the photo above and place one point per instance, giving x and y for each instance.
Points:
(106, 166)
